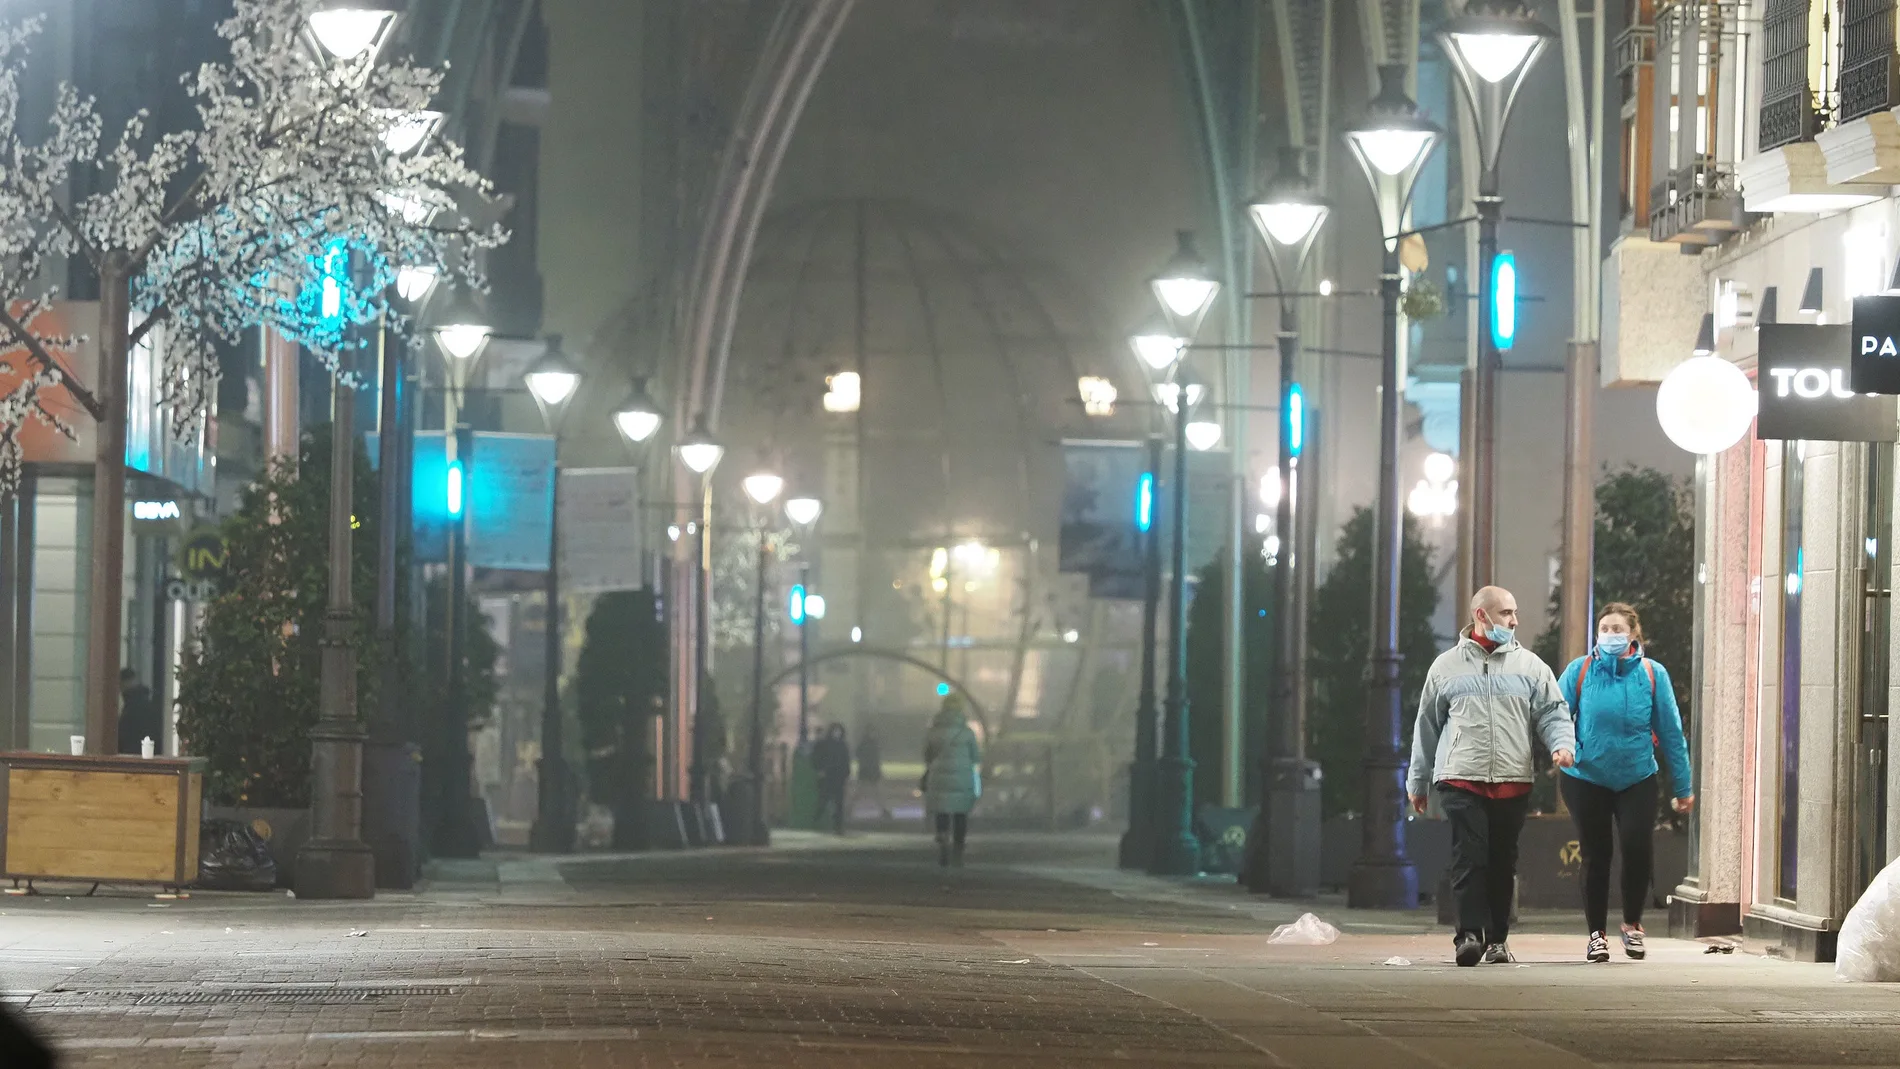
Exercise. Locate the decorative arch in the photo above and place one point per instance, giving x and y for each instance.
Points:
(881, 654)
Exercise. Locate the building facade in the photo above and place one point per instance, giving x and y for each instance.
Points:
(1758, 165)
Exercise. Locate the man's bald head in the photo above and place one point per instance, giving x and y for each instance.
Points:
(1494, 605)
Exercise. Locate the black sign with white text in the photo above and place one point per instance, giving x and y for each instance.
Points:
(1876, 364)
(1805, 393)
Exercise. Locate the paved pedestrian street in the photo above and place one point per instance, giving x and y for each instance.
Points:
(861, 952)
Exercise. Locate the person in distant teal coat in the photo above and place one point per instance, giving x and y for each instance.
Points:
(953, 778)
(1625, 710)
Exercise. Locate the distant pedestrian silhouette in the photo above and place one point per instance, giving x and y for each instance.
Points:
(831, 760)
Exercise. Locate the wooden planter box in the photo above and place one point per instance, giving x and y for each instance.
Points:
(99, 819)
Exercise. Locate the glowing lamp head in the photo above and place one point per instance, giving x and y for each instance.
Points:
(803, 510)
(639, 418)
(349, 28)
(453, 497)
(1440, 467)
(1203, 435)
(1185, 286)
(1494, 40)
(1157, 348)
(763, 487)
(462, 340)
(1395, 136)
(404, 131)
(1289, 211)
(414, 281)
(553, 378)
(699, 450)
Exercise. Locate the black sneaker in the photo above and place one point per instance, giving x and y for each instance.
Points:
(1469, 949)
(1599, 950)
(1498, 954)
(1633, 942)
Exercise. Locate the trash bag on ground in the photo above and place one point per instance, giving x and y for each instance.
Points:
(1308, 931)
(232, 856)
(1868, 950)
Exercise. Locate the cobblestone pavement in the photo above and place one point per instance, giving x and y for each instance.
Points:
(862, 953)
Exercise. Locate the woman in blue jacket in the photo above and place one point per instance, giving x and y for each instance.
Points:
(1624, 709)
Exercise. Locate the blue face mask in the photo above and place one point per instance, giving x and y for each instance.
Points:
(1613, 645)
(1499, 635)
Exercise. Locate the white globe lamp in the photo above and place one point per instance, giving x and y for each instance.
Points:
(1705, 405)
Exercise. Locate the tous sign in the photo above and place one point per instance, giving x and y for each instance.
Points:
(1808, 393)
(1810, 382)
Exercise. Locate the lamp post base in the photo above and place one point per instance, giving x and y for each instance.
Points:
(1176, 851)
(336, 868)
(553, 831)
(1137, 845)
(1283, 847)
(1382, 885)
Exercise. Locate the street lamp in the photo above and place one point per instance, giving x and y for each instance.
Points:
(414, 282)
(1185, 286)
(462, 336)
(553, 380)
(1203, 435)
(336, 862)
(1492, 46)
(348, 29)
(405, 131)
(1157, 346)
(699, 450)
(638, 418)
(803, 510)
(763, 487)
(1391, 144)
(1283, 851)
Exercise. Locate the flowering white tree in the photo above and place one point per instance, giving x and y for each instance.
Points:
(207, 233)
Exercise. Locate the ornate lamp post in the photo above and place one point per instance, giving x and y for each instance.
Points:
(336, 862)
(803, 510)
(1283, 851)
(1158, 348)
(1491, 47)
(763, 487)
(1185, 287)
(553, 380)
(462, 337)
(1391, 144)
(700, 452)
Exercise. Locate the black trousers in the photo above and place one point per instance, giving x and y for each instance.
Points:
(1484, 835)
(955, 825)
(1603, 818)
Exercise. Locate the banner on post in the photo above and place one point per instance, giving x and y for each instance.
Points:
(510, 501)
(600, 530)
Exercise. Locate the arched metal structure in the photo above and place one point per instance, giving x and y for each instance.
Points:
(874, 653)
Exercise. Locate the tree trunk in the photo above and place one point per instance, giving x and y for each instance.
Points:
(105, 604)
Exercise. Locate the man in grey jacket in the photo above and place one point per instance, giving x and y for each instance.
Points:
(1483, 702)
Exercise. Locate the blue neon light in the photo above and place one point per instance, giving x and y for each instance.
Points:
(1145, 502)
(455, 487)
(1296, 419)
(1504, 300)
(796, 604)
(943, 690)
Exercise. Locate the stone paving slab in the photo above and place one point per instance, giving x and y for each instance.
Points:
(862, 952)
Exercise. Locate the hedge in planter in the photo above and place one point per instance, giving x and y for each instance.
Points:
(248, 685)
